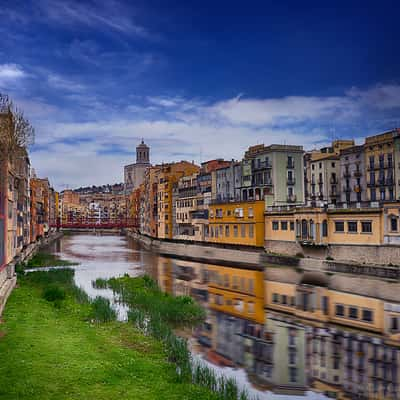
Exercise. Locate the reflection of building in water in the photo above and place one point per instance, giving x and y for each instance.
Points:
(275, 354)
(335, 334)
(359, 362)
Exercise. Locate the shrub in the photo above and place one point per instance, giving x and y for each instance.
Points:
(329, 258)
(54, 293)
(299, 255)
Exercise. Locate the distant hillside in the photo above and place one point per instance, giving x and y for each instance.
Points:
(116, 188)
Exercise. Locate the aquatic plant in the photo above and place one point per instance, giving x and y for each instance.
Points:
(102, 310)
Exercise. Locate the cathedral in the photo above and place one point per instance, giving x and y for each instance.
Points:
(134, 173)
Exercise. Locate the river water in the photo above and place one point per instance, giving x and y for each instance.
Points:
(272, 355)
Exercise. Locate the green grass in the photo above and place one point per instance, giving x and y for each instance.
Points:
(49, 352)
(47, 260)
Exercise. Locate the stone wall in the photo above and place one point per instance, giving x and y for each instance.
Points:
(384, 254)
(369, 254)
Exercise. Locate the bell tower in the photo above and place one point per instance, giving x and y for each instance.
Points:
(142, 153)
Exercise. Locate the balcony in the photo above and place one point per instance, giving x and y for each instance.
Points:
(346, 189)
(357, 174)
(346, 174)
(333, 193)
(371, 183)
(291, 198)
(291, 181)
(333, 180)
(290, 165)
(262, 165)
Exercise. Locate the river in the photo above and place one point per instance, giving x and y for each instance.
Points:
(272, 354)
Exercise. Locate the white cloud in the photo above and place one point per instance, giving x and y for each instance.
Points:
(110, 15)
(10, 73)
(89, 151)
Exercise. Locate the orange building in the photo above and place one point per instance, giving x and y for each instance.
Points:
(40, 193)
(169, 175)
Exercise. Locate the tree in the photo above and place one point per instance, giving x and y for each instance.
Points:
(16, 132)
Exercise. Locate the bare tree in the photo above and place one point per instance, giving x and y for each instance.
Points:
(16, 132)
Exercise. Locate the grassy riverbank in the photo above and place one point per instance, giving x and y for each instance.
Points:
(53, 350)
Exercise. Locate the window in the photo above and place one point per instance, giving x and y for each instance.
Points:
(284, 225)
(367, 315)
(292, 356)
(383, 194)
(366, 226)
(325, 305)
(393, 224)
(339, 310)
(352, 226)
(251, 230)
(275, 298)
(235, 230)
(325, 228)
(239, 212)
(251, 285)
(333, 165)
(227, 230)
(251, 214)
(291, 225)
(250, 307)
(353, 312)
(293, 374)
(373, 194)
(394, 324)
(275, 225)
(284, 299)
(339, 226)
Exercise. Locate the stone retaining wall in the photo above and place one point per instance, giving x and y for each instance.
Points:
(369, 254)
(261, 260)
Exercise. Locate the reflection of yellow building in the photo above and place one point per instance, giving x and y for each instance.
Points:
(312, 299)
(240, 223)
(237, 292)
(329, 390)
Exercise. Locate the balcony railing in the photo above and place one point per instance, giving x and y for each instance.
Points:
(262, 165)
(290, 165)
(291, 181)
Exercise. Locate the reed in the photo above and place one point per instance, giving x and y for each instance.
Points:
(102, 310)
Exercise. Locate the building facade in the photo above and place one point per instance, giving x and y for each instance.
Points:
(273, 173)
(237, 223)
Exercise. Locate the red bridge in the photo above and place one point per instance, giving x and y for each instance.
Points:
(89, 223)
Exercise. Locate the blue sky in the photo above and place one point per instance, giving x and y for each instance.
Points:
(196, 80)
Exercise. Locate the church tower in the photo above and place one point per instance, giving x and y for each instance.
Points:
(142, 154)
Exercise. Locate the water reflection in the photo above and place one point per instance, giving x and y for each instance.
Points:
(283, 333)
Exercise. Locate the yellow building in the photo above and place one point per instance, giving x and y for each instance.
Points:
(239, 223)
(238, 292)
(168, 176)
(317, 226)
